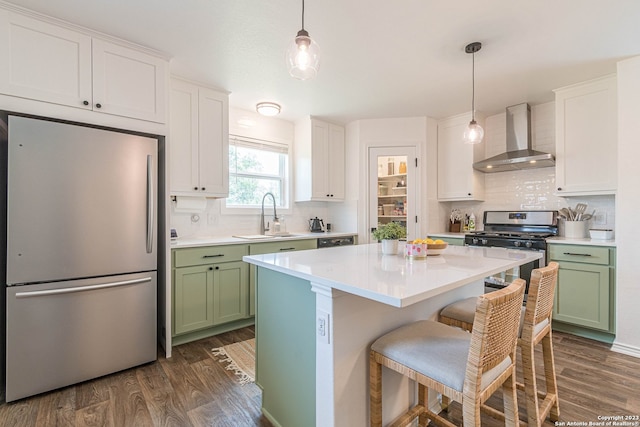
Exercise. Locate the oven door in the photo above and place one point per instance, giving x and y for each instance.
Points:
(503, 279)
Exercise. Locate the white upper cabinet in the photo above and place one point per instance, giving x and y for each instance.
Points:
(319, 152)
(46, 62)
(199, 140)
(586, 138)
(457, 180)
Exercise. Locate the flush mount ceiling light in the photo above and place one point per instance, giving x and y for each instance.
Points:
(474, 132)
(268, 108)
(303, 55)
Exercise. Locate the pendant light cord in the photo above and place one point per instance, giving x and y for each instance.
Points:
(303, 14)
(473, 84)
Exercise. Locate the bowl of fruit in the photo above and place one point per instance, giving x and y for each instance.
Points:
(435, 247)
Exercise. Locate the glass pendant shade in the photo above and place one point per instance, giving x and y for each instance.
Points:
(474, 133)
(303, 57)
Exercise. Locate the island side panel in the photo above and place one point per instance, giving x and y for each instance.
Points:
(286, 348)
(342, 371)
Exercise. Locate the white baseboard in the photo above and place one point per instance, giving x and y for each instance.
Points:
(626, 349)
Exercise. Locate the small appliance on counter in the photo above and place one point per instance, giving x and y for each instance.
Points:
(316, 225)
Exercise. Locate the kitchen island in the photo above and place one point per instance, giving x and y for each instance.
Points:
(318, 311)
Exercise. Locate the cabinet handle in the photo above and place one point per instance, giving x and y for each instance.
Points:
(210, 268)
(287, 249)
(559, 188)
(327, 195)
(85, 102)
(212, 256)
(575, 254)
(203, 188)
(98, 105)
(195, 188)
(468, 194)
(217, 267)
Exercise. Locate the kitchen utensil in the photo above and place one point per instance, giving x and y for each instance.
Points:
(586, 217)
(315, 225)
(567, 213)
(580, 209)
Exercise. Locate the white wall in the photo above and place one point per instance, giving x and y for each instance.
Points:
(532, 189)
(628, 206)
(214, 222)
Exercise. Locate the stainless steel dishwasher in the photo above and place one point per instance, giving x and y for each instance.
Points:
(329, 242)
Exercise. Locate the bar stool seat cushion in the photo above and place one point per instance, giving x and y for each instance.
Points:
(465, 311)
(435, 350)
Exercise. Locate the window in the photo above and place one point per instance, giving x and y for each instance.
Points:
(255, 168)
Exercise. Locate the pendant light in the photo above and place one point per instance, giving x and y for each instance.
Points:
(303, 55)
(474, 132)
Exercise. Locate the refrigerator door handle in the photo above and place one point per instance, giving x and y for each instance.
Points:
(150, 210)
(81, 288)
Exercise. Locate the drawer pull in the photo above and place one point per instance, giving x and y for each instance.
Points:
(212, 256)
(287, 249)
(575, 254)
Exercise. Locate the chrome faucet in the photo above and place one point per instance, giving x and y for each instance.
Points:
(264, 229)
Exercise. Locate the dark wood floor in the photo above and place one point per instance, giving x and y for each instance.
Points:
(194, 389)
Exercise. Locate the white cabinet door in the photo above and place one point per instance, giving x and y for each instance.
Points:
(127, 82)
(183, 138)
(586, 138)
(319, 161)
(199, 140)
(457, 180)
(43, 61)
(336, 162)
(213, 135)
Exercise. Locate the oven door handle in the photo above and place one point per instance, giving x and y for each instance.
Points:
(575, 254)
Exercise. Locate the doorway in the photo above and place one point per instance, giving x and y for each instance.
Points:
(393, 188)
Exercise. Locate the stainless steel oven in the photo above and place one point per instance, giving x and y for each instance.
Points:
(521, 230)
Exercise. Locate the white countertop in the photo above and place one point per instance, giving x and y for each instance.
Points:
(192, 241)
(587, 241)
(391, 279)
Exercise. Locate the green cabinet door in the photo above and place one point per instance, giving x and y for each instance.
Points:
(192, 298)
(583, 295)
(454, 241)
(230, 292)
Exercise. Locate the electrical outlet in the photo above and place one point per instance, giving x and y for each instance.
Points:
(212, 219)
(322, 326)
(600, 218)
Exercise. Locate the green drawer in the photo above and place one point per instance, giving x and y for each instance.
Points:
(580, 253)
(208, 255)
(283, 246)
(454, 241)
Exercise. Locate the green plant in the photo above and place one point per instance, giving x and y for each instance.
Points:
(389, 231)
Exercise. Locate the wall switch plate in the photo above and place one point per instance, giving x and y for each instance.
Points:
(322, 326)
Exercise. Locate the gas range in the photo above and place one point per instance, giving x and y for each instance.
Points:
(515, 230)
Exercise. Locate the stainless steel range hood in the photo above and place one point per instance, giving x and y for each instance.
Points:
(519, 154)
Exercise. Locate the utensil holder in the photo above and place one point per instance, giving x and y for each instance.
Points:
(575, 229)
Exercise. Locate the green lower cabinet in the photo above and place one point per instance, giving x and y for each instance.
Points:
(192, 298)
(230, 292)
(583, 295)
(454, 241)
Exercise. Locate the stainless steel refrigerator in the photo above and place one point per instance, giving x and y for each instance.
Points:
(80, 253)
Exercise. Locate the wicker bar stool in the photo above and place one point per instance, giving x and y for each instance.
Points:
(535, 327)
(467, 368)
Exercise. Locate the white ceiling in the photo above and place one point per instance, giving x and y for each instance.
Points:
(380, 58)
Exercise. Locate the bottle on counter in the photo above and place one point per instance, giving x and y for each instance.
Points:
(472, 222)
(465, 223)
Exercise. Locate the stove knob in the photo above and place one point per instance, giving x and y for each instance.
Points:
(528, 244)
(516, 244)
(485, 241)
(475, 240)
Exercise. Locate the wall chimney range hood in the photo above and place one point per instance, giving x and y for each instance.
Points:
(519, 154)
